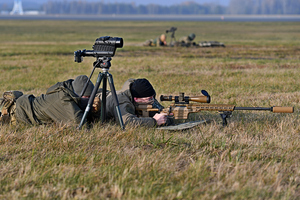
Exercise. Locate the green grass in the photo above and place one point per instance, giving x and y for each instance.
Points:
(254, 157)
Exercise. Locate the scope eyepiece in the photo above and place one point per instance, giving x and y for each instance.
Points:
(78, 55)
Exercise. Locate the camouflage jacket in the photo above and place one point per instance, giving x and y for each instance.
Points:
(185, 39)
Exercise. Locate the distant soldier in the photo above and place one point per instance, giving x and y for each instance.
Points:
(186, 41)
(159, 41)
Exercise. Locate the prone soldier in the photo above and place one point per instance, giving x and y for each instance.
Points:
(159, 41)
(186, 41)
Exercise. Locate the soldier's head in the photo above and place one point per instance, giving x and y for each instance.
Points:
(191, 36)
(142, 91)
(78, 85)
(163, 37)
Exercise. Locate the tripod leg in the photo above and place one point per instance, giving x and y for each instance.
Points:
(103, 100)
(91, 100)
(113, 91)
(86, 84)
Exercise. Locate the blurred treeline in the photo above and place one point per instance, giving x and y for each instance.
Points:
(187, 8)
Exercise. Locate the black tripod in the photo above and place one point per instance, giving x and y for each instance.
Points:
(173, 39)
(172, 30)
(104, 64)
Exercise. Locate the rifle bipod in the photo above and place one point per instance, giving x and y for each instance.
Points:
(224, 116)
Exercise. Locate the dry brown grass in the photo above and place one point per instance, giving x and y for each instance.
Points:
(254, 157)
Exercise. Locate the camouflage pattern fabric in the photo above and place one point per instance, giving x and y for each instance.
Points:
(148, 43)
(8, 107)
(159, 41)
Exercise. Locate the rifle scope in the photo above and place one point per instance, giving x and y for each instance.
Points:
(185, 99)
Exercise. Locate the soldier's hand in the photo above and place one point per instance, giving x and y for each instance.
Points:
(96, 104)
(161, 118)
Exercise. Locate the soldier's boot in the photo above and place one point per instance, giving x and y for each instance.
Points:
(5, 117)
(148, 43)
(8, 107)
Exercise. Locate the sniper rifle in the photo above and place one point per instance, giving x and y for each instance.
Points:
(181, 108)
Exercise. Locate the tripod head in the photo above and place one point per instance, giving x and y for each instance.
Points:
(172, 30)
(103, 63)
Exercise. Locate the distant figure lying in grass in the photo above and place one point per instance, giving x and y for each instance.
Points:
(186, 41)
(60, 104)
(159, 41)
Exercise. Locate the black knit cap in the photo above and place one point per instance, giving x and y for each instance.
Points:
(78, 85)
(141, 88)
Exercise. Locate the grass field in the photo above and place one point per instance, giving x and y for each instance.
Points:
(255, 157)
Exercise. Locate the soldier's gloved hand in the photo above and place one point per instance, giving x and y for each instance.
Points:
(96, 105)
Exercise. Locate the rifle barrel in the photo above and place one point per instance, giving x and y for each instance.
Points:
(253, 108)
(275, 109)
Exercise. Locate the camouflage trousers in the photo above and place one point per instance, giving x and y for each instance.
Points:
(8, 107)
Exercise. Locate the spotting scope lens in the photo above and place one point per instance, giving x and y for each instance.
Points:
(119, 42)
